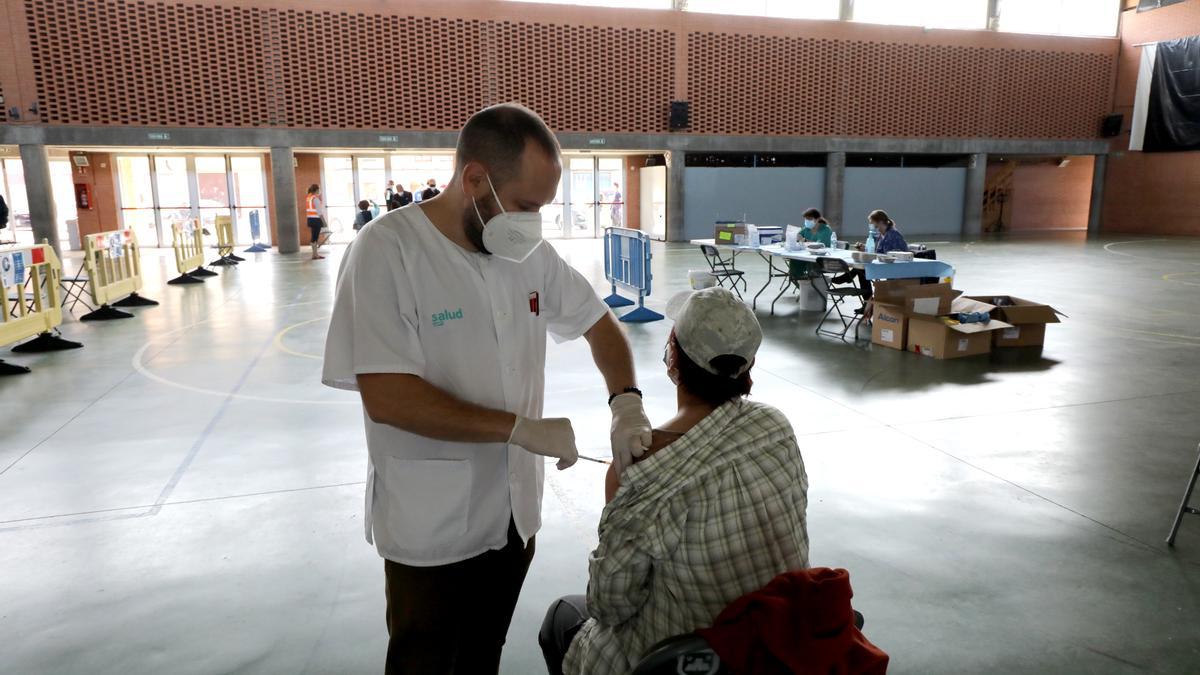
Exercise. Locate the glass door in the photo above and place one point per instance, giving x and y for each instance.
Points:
(581, 216)
(338, 194)
(137, 198)
(249, 183)
(610, 206)
(552, 214)
(12, 183)
(212, 190)
(371, 182)
(174, 194)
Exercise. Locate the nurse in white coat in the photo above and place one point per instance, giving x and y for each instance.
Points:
(440, 324)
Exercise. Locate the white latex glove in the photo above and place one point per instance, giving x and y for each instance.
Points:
(552, 437)
(631, 431)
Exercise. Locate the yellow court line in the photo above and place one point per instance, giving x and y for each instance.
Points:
(278, 341)
(1169, 335)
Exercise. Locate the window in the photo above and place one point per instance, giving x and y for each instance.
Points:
(629, 4)
(137, 198)
(1059, 17)
(961, 14)
(783, 9)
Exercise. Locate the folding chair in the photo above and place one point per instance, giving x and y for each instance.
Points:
(73, 289)
(723, 269)
(830, 269)
(1185, 506)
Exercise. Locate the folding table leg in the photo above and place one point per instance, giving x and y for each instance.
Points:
(1184, 508)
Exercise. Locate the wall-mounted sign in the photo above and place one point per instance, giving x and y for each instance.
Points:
(597, 141)
(158, 136)
(389, 139)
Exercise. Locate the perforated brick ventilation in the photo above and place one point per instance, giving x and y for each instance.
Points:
(145, 62)
(3, 106)
(587, 78)
(751, 84)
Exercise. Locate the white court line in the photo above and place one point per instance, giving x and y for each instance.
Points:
(138, 364)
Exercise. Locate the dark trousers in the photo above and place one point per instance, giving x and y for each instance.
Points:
(563, 621)
(453, 619)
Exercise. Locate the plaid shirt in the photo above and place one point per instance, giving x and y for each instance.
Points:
(715, 515)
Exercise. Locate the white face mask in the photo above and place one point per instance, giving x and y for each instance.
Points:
(512, 235)
(808, 224)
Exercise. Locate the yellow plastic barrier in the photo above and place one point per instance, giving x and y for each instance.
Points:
(225, 243)
(114, 266)
(187, 239)
(30, 304)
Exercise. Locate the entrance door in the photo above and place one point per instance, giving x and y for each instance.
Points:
(654, 201)
(174, 194)
(610, 202)
(581, 198)
(249, 184)
(137, 198)
(212, 188)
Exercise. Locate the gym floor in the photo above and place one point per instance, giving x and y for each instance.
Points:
(183, 496)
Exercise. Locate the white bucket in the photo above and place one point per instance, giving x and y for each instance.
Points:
(701, 279)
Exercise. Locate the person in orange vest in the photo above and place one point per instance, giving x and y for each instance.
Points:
(314, 209)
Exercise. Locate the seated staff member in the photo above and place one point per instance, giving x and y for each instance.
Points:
(889, 240)
(363, 216)
(818, 231)
(714, 510)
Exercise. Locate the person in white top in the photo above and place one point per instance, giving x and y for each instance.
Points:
(440, 323)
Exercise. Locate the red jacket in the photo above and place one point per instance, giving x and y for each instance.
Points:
(800, 623)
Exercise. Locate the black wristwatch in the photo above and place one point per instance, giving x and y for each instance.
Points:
(626, 390)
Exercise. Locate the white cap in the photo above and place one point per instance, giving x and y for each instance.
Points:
(714, 322)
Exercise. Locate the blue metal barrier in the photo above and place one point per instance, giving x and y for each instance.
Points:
(627, 264)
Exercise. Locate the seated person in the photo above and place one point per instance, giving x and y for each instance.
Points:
(890, 240)
(887, 240)
(363, 215)
(818, 231)
(713, 510)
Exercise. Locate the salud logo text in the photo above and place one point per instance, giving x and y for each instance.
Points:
(441, 318)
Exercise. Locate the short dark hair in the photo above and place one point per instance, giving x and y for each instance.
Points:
(314, 188)
(363, 205)
(712, 389)
(812, 213)
(496, 137)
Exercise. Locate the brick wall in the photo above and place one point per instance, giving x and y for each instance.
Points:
(426, 66)
(1150, 192)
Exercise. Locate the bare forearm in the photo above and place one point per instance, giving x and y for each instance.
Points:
(610, 351)
(410, 403)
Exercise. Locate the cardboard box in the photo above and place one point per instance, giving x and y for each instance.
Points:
(889, 326)
(891, 291)
(930, 299)
(943, 337)
(730, 233)
(1028, 320)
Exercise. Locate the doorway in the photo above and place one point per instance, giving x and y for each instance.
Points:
(590, 198)
(157, 191)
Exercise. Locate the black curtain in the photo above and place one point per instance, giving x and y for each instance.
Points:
(1173, 114)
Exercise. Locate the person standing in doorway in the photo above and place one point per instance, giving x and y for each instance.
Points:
(314, 210)
(430, 191)
(399, 199)
(389, 191)
(439, 322)
(617, 205)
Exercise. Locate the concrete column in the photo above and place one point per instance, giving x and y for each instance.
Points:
(44, 217)
(675, 215)
(283, 177)
(972, 224)
(835, 188)
(1096, 207)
